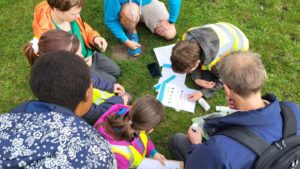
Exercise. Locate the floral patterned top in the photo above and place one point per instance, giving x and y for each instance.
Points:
(42, 135)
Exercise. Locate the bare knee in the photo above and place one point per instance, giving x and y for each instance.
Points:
(170, 34)
(129, 16)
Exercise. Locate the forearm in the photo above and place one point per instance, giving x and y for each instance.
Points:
(174, 6)
(102, 84)
(112, 9)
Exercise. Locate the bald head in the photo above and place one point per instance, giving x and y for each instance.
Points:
(243, 72)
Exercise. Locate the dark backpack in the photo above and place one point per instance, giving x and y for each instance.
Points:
(282, 154)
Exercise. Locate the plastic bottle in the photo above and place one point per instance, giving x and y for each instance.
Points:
(204, 104)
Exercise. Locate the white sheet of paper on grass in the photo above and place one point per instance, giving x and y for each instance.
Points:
(148, 163)
(168, 72)
(177, 97)
(163, 54)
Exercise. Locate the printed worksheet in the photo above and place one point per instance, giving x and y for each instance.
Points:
(171, 88)
(163, 54)
(148, 163)
(168, 72)
(177, 97)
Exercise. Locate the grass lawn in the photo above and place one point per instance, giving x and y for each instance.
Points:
(272, 27)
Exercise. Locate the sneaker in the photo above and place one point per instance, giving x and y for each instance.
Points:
(134, 37)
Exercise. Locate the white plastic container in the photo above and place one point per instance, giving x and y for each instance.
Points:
(204, 104)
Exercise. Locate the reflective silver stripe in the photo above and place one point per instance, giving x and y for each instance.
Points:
(226, 47)
(244, 43)
(103, 95)
(227, 32)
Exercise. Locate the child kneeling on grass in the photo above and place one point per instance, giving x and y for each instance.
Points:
(126, 130)
(104, 91)
(65, 15)
(201, 50)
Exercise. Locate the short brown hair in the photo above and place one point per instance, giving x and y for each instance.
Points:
(243, 72)
(65, 5)
(185, 55)
(52, 40)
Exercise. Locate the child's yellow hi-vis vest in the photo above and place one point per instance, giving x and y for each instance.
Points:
(216, 41)
(100, 96)
(131, 153)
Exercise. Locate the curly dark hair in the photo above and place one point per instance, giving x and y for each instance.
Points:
(61, 78)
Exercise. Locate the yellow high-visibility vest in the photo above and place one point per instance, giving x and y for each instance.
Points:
(230, 39)
(100, 96)
(131, 153)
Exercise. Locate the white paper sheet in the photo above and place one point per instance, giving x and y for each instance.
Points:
(148, 163)
(163, 54)
(172, 93)
(168, 72)
(177, 97)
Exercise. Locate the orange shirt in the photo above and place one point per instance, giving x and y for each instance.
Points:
(42, 22)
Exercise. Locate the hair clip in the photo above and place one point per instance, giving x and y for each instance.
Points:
(35, 45)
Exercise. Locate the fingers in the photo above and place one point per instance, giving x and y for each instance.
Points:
(137, 44)
(210, 84)
(125, 99)
(162, 159)
(195, 137)
(191, 97)
(119, 89)
(104, 45)
(195, 96)
(132, 45)
(162, 27)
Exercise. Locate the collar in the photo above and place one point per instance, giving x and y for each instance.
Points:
(43, 107)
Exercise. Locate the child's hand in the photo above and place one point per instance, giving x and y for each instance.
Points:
(205, 84)
(163, 26)
(161, 158)
(88, 61)
(195, 137)
(132, 44)
(119, 89)
(101, 42)
(125, 99)
(195, 96)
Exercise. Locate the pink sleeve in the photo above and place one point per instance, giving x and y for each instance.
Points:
(122, 162)
(151, 150)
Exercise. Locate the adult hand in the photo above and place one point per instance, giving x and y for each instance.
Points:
(119, 89)
(101, 42)
(195, 137)
(161, 158)
(163, 26)
(205, 84)
(132, 44)
(195, 96)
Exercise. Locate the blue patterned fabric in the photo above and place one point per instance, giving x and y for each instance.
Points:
(41, 135)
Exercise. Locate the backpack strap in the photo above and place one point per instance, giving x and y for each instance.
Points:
(246, 137)
(288, 120)
(256, 143)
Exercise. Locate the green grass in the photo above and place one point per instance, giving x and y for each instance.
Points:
(272, 26)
